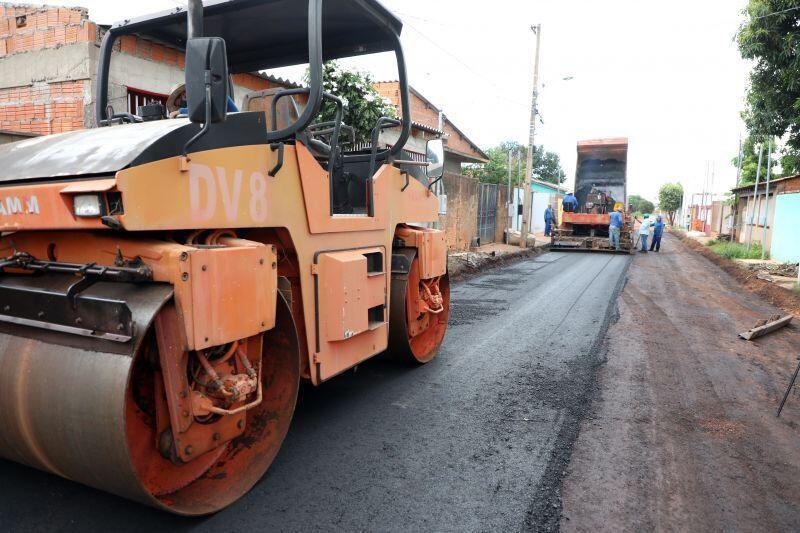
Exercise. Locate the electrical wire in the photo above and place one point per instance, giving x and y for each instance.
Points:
(466, 66)
(795, 8)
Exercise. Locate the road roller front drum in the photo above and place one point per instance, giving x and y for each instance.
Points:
(125, 441)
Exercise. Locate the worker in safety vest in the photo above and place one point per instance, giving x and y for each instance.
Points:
(658, 232)
(549, 218)
(570, 203)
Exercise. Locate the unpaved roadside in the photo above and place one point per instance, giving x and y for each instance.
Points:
(683, 435)
(781, 298)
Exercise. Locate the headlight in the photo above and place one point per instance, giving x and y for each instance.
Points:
(88, 205)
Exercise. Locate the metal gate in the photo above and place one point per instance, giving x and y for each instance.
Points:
(487, 212)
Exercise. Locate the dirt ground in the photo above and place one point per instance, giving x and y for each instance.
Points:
(682, 435)
(778, 296)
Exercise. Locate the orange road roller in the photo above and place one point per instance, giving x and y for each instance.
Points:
(166, 283)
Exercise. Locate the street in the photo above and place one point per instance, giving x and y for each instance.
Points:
(682, 435)
(478, 440)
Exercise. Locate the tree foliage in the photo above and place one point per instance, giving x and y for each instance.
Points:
(363, 105)
(770, 37)
(670, 199)
(546, 165)
(641, 205)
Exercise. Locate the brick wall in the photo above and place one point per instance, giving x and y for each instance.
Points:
(43, 108)
(51, 104)
(461, 221)
(129, 44)
(24, 28)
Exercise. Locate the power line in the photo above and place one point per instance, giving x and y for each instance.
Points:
(466, 66)
(795, 8)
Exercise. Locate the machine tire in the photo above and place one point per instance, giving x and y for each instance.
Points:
(423, 347)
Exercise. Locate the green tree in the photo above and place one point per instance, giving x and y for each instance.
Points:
(363, 105)
(546, 165)
(670, 199)
(641, 205)
(770, 37)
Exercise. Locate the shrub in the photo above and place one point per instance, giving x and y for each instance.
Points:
(735, 250)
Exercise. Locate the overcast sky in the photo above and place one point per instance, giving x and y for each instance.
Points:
(665, 74)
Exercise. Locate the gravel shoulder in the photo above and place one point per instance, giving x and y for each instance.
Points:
(682, 434)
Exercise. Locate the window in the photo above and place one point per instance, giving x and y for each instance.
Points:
(138, 98)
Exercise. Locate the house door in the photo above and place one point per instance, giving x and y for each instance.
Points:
(487, 212)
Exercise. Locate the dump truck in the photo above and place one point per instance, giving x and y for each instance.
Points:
(600, 188)
(167, 284)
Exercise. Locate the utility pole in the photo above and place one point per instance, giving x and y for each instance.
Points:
(526, 199)
(766, 199)
(738, 180)
(710, 213)
(755, 198)
(508, 198)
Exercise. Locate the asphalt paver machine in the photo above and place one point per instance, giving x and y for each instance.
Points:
(166, 284)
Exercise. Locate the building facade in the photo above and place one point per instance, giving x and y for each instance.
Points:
(48, 71)
(776, 210)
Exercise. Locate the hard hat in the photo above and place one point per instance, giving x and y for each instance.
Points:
(176, 91)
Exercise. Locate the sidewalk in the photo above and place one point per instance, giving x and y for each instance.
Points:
(683, 435)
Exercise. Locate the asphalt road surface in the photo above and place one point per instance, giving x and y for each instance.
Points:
(477, 440)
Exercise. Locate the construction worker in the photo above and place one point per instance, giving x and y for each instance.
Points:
(570, 203)
(615, 228)
(177, 103)
(644, 232)
(658, 232)
(548, 220)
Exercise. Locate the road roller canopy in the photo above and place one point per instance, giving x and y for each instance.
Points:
(262, 34)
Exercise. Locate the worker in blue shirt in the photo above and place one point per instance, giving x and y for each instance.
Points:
(570, 203)
(548, 220)
(177, 103)
(615, 228)
(658, 232)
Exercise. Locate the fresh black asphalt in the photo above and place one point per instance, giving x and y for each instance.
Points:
(475, 441)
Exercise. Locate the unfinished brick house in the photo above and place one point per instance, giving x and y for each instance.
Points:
(48, 64)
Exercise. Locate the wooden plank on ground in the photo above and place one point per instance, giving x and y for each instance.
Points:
(767, 328)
